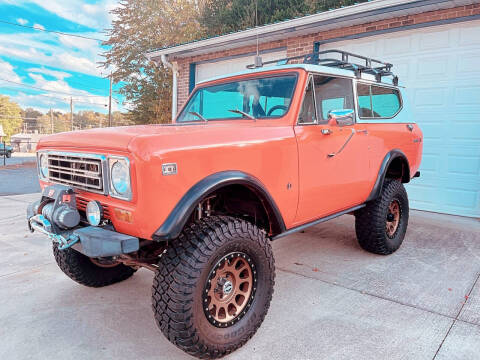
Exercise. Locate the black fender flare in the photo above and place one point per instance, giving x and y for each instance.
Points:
(178, 217)
(387, 160)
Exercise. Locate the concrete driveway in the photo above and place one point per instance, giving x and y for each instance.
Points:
(332, 300)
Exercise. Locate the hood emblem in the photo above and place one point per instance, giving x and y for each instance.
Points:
(169, 169)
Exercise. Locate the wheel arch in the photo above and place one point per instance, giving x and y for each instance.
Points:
(179, 216)
(394, 165)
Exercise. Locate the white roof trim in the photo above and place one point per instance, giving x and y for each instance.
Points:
(347, 16)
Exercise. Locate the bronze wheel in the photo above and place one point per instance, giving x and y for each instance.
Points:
(213, 286)
(382, 224)
(104, 262)
(90, 272)
(230, 289)
(393, 218)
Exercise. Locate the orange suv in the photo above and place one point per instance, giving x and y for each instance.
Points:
(250, 158)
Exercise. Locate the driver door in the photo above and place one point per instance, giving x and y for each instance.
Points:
(333, 157)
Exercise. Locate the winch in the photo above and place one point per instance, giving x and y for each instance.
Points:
(56, 216)
(59, 206)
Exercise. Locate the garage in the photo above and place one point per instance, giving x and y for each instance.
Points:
(435, 49)
(440, 68)
(216, 67)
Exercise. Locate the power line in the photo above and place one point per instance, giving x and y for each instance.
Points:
(58, 98)
(53, 91)
(50, 31)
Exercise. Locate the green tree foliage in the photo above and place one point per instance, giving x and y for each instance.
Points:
(139, 27)
(10, 117)
(223, 16)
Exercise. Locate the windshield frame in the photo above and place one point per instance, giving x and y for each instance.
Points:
(254, 76)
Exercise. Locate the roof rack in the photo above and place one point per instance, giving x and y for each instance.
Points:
(360, 64)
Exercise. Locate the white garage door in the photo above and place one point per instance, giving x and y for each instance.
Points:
(440, 66)
(209, 70)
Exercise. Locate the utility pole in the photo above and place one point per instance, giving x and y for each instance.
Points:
(110, 104)
(71, 111)
(51, 120)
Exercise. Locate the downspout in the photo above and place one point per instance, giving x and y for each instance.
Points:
(174, 69)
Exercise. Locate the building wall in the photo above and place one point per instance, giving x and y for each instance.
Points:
(304, 44)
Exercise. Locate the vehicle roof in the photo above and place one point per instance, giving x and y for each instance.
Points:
(307, 67)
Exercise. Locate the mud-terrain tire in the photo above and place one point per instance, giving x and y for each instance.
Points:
(181, 284)
(375, 233)
(81, 269)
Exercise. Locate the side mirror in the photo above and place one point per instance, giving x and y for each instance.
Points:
(343, 117)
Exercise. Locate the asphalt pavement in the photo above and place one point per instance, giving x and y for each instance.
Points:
(332, 300)
(19, 175)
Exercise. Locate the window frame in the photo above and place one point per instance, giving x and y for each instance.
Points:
(311, 74)
(310, 79)
(370, 84)
(232, 79)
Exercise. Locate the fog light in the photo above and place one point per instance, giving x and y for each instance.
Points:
(94, 213)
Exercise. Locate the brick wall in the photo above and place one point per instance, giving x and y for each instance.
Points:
(302, 45)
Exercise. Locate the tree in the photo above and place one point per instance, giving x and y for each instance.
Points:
(61, 122)
(223, 16)
(10, 117)
(141, 26)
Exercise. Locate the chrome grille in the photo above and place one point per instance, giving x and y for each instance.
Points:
(79, 171)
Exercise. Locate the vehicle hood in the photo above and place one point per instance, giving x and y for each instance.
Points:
(143, 140)
(116, 138)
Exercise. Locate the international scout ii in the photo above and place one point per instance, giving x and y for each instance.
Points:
(250, 158)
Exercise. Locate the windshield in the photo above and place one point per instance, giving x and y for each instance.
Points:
(267, 97)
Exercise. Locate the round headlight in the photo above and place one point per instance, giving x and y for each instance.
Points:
(44, 165)
(94, 213)
(120, 177)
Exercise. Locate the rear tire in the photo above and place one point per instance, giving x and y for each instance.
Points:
(193, 278)
(81, 269)
(382, 224)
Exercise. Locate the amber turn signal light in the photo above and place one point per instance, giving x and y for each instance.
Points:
(123, 215)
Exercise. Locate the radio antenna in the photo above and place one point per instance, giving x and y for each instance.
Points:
(256, 21)
(258, 59)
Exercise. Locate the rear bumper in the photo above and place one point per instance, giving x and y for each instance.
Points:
(91, 241)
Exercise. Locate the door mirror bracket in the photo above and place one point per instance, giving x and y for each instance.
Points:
(342, 117)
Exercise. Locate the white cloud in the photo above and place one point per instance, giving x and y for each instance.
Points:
(37, 48)
(80, 64)
(22, 21)
(57, 74)
(96, 16)
(38, 26)
(7, 71)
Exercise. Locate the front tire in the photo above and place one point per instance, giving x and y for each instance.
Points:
(382, 224)
(214, 286)
(88, 272)
(9, 154)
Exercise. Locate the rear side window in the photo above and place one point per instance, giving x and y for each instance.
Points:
(377, 101)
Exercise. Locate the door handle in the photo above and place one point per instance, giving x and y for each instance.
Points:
(364, 131)
(326, 131)
(343, 146)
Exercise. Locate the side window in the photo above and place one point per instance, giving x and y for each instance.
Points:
(364, 101)
(307, 114)
(377, 101)
(332, 93)
(385, 101)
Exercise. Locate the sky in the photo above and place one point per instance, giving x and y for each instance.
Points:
(43, 70)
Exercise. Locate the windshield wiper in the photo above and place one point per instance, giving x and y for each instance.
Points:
(198, 115)
(236, 111)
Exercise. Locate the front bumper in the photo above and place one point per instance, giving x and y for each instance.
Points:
(91, 241)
